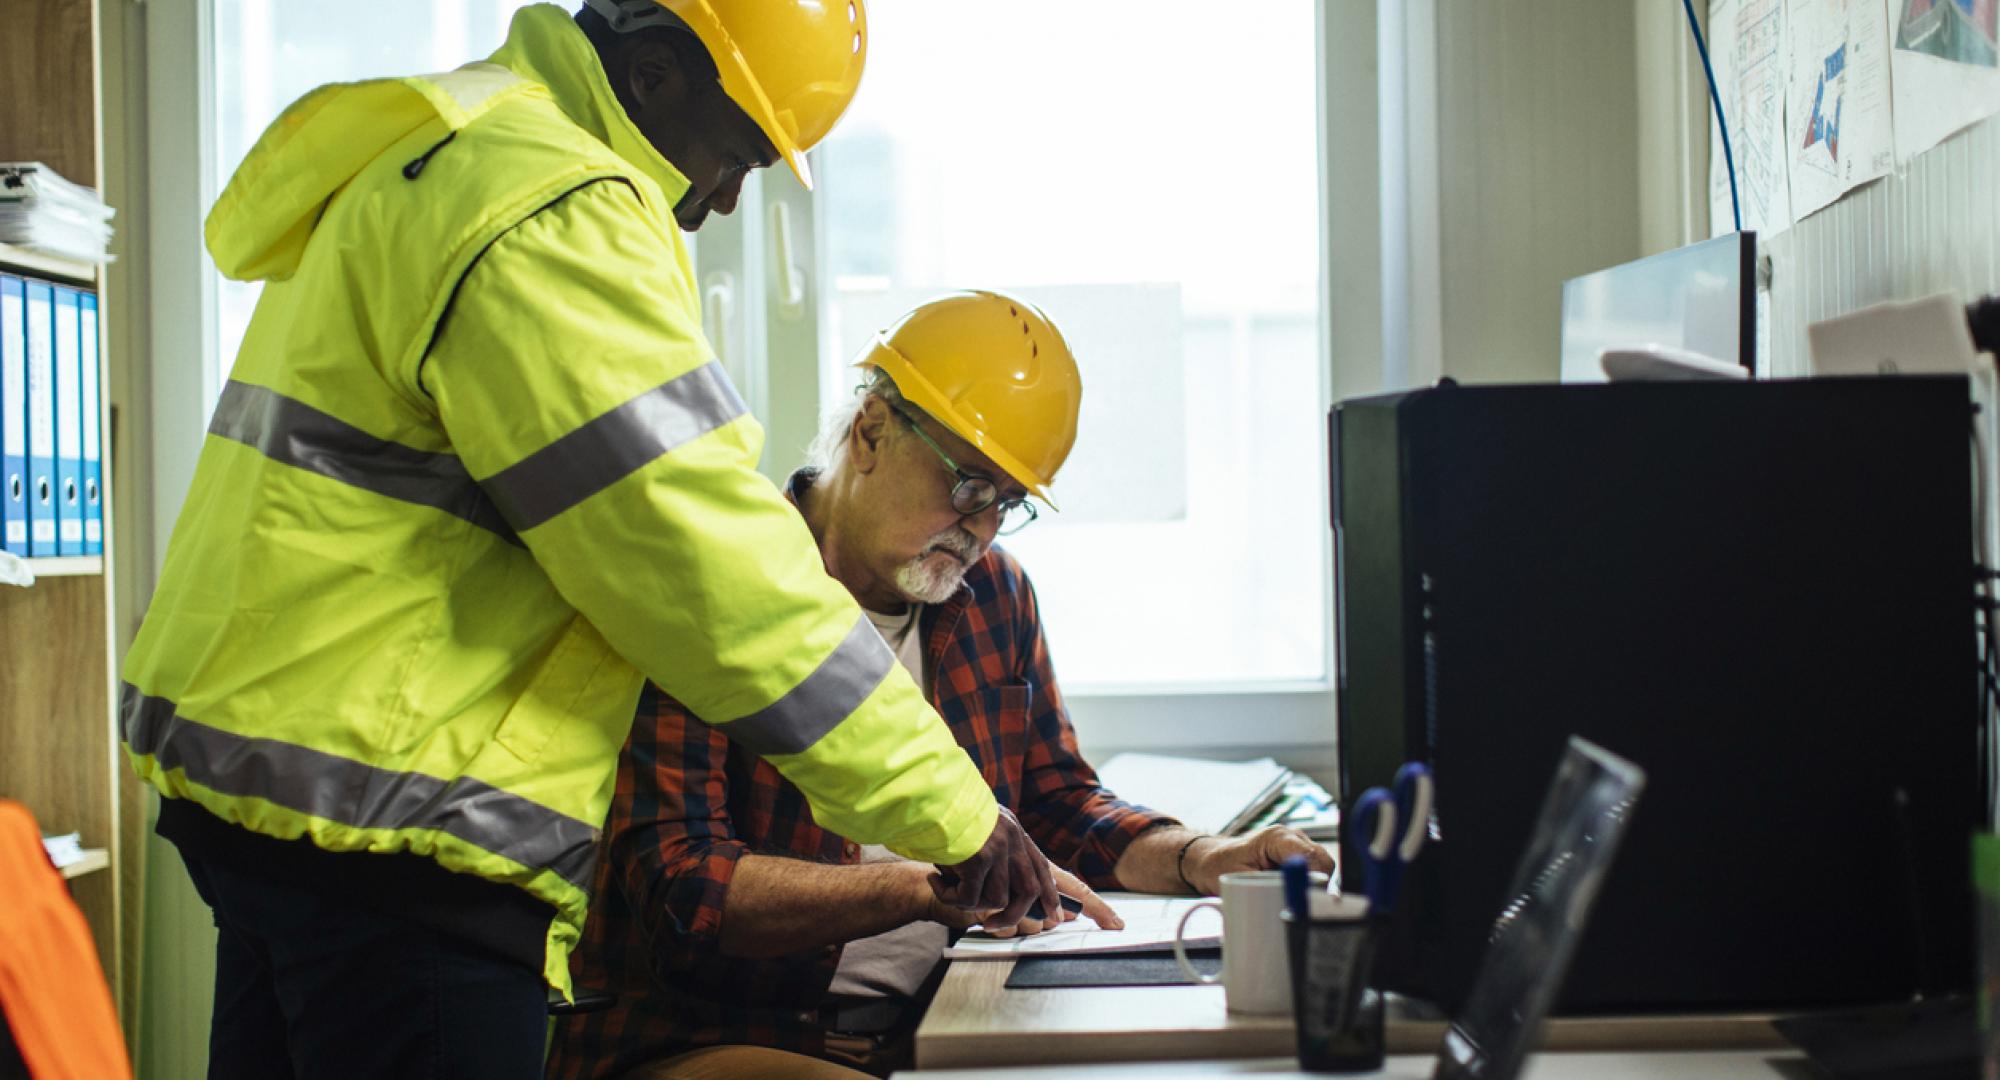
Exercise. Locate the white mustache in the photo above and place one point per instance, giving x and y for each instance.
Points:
(956, 543)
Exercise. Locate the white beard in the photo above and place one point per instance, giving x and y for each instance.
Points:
(929, 580)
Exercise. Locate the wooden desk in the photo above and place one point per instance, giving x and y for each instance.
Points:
(1662, 1065)
(976, 1021)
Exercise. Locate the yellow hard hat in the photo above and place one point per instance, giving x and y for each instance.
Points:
(792, 65)
(994, 370)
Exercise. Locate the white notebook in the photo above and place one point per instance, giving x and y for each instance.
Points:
(1149, 924)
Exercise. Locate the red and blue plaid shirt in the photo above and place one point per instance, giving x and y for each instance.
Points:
(689, 803)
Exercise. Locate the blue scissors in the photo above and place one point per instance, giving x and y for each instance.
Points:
(1396, 824)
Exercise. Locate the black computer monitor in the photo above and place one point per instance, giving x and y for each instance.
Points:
(1701, 298)
(1759, 591)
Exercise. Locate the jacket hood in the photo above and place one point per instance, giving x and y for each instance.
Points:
(259, 227)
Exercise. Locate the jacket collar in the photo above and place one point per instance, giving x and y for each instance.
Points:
(544, 44)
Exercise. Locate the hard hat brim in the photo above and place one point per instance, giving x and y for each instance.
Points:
(744, 89)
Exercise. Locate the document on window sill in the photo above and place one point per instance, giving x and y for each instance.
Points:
(1149, 924)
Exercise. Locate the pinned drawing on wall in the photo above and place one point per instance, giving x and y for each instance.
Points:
(1837, 112)
(1822, 96)
(1947, 69)
(1746, 44)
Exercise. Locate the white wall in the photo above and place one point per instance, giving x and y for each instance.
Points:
(1520, 144)
(1538, 173)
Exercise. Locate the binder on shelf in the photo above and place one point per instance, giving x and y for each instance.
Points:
(13, 416)
(69, 425)
(90, 361)
(41, 307)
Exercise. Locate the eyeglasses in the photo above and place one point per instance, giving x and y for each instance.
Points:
(974, 493)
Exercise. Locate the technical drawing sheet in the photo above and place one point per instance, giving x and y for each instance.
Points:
(1150, 922)
(1747, 48)
(1838, 123)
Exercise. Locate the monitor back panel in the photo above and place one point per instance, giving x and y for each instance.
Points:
(1759, 593)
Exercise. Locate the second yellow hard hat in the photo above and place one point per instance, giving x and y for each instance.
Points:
(994, 370)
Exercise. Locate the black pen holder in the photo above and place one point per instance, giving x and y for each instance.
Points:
(1339, 1017)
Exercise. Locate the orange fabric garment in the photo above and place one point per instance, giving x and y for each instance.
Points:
(52, 987)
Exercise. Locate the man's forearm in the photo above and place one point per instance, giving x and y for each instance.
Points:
(1172, 859)
(778, 906)
(1148, 864)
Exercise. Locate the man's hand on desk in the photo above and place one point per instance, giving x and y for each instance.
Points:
(1008, 874)
(1068, 884)
(1211, 857)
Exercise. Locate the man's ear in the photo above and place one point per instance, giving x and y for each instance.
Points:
(868, 436)
(653, 72)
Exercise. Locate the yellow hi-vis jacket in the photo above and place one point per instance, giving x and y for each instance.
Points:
(475, 476)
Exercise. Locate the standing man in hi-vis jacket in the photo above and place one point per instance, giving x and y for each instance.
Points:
(474, 478)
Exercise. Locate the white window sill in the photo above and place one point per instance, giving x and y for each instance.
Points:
(1208, 723)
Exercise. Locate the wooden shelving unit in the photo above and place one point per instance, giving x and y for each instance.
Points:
(59, 748)
(93, 859)
(73, 566)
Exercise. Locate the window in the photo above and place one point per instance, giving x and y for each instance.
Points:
(269, 53)
(1146, 172)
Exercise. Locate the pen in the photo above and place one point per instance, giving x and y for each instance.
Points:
(1296, 883)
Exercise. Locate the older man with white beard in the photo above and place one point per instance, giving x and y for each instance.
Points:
(737, 935)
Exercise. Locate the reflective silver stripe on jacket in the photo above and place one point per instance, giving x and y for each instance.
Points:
(613, 446)
(816, 706)
(290, 431)
(335, 788)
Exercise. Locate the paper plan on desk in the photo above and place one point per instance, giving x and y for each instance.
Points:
(1837, 118)
(1149, 924)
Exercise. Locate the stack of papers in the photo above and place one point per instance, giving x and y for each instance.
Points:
(1220, 798)
(1305, 806)
(43, 212)
(1150, 922)
(64, 850)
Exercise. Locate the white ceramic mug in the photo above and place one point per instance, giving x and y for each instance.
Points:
(1256, 977)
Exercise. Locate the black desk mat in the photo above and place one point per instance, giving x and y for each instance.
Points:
(1935, 1039)
(1151, 967)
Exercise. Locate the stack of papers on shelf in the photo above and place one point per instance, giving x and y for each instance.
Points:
(43, 212)
(64, 850)
(1150, 922)
(1216, 797)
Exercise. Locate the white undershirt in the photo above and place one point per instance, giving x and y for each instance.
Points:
(900, 631)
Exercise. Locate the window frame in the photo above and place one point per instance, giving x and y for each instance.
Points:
(181, 186)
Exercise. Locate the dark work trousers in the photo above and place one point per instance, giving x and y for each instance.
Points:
(310, 985)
